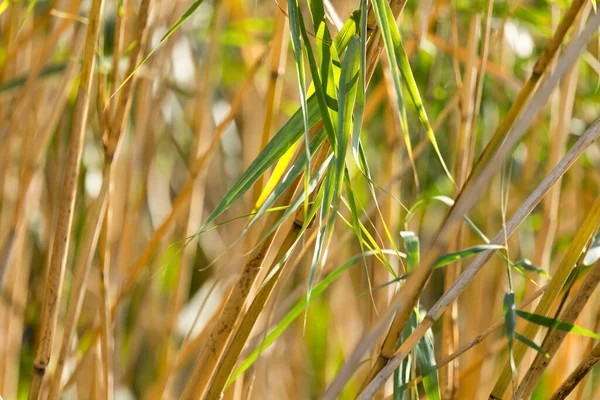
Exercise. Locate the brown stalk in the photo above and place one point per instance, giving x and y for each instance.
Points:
(420, 277)
(112, 133)
(215, 345)
(578, 374)
(65, 212)
(23, 103)
(186, 191)
(83, 265)
(12, 319)
(484, 52)
(555, 337)
(478, 340)
(111, 140)
(230, 357)
(437, 310)
(34, 158)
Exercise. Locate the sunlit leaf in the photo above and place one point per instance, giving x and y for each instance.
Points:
(556, 324)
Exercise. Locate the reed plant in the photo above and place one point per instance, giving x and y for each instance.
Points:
(296, 199)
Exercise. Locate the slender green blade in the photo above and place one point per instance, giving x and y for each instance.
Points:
(531, 343)
(455, 256)
(188, 13)
(556, 324)
(399, 62)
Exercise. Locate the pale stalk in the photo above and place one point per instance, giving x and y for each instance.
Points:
(56, 268)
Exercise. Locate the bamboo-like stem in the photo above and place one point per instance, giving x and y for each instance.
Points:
(12, 319)
(484, 52)
(479, 339)
(230, 357)
(118, 42)
(578, 374)
(181, 199)
(34, 158)
(56, 267)
(213, 351)
(555, 337)
(111, 140)
(81, 273)
(498, 141)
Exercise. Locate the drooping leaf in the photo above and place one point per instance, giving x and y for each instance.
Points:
(399, 61)
(188, 13)
(531, 343)
(411, 243)
(527, 265)
(423, 202)
(455, 256)
(510, 325)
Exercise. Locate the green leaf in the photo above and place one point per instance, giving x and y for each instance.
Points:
(294, 172)
(527, 265)
(411, 243)
(452, 257)
(552, 323)
(532, 344)
(295, 18)
(281, 142)
(510, 324)
(425, 358)
(399, 61)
